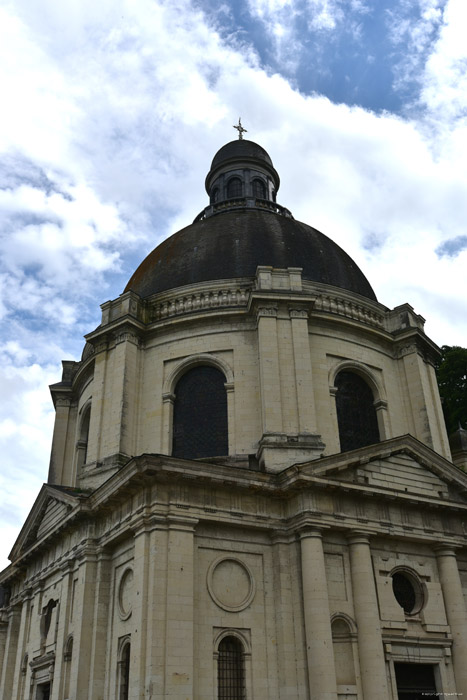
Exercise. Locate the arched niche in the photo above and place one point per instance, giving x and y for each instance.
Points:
(344, 643)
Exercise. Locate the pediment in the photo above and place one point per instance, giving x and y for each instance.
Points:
(51, 507)
(400, 465)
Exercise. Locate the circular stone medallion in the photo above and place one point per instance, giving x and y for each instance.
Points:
(230, 584)
(125, 590)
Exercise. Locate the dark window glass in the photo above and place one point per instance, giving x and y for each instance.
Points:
(234, 188)
(356, 415)
(84, 435)
(404, 592)
(231, 673)
(415, 681)
(259, 190)
(200, 414)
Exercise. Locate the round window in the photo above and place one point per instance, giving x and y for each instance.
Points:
(408, 592)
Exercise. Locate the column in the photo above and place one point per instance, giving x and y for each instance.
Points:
(98, 665)
(21, 644)
(320, 654)
(63, 626)
(455, 611)
(179, 659)
(83, 604)
(370, 644)
(284, 615)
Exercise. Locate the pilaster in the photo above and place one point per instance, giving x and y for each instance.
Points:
(271, 404)
(58, 474)
(141, 611)
(7, 677)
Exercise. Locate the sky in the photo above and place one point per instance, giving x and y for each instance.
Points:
(111, 114)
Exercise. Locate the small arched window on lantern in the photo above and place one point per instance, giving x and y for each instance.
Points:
(258, 188)
(231, 669)
(234, 188)
(200, 426)
(356, 413)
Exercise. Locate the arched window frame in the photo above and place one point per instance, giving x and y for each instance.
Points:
(243, 637)
(123, 668)
(375, 383)
(231, 183)
(168, 396)
(350, 637)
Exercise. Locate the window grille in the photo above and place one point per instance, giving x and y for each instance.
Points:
(200, 414)
(234, 188)
(356, 414)
(231, 672)
(259, 190)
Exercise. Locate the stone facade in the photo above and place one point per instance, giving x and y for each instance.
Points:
(135, 567)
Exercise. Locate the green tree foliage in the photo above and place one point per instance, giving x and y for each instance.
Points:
(451, 371)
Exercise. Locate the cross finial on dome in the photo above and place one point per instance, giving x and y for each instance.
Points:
(240, 129)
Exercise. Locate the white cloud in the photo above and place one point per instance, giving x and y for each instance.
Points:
(113, 112)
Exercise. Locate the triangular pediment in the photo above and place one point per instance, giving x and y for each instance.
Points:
(51, 507)
(400, 465)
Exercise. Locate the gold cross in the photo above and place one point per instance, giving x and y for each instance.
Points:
(240, 129)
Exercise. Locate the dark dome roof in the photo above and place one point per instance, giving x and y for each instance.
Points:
(240, 148)
(233, 244)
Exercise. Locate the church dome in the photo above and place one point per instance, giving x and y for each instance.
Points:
(242, 228)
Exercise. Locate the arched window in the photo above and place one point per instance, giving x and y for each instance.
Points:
(200, 414)
(259, 190)
(124, 672)
(234, 188)
(82, 444)
(230, 670)
(356, 414)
